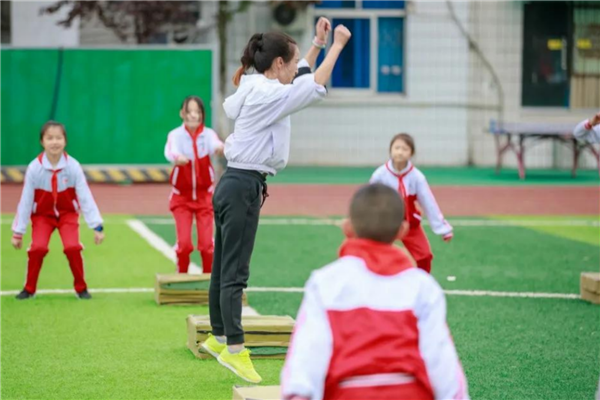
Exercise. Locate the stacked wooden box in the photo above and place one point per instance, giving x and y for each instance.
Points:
(183, 289)
(590, 287)
(267, 336)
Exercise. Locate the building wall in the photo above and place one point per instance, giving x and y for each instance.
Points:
(356, 129)
(30, 29)
(359, 135)
(449, 100)
(498, 28)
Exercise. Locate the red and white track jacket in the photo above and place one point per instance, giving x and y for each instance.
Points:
(412, 185)
(56, 191)
(370, 323)
(197, 175)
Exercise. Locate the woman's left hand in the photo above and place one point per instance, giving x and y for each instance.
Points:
(323, 28)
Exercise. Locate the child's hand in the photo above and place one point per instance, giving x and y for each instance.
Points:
(17, 242)
(341, 35)
(323, 27)
(448, 237)
(98, 237)
(595, 120)
(181, 160)
(220, 150)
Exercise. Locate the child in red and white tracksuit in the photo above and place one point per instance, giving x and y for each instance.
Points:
(54, 192)
(400, 174)
(371, 325)
(189, 148)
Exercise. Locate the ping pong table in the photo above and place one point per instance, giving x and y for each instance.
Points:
(518, 136)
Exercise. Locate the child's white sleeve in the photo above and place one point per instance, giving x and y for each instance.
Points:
(300, 94)
(426, 199)
(171, 151)
(25, 207)
(215, 142)
(310, 349)
(444, 370)
(377, 177)
(90, 211)
(587, 135)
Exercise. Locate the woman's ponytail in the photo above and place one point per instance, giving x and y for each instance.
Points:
(248, 58)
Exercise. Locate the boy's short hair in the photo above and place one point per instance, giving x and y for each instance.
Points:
(376, 213)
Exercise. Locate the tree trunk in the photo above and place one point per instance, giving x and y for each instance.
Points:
(139, 36)
(223, 122)
(222, 22)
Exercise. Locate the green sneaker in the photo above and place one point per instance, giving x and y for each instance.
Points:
(212, 346)
(240, 364)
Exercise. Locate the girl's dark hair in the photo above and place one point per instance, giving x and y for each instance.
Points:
(51, 124)
(262, 49)
(406, 138)
(197, 100)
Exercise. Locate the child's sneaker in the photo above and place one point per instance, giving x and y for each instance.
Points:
(240, 364)
(212, 346)
(24, 295)
(85, 295)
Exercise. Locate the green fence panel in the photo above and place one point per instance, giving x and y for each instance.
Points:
(118, 105)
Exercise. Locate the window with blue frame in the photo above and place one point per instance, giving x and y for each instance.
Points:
(383, 5)
(390, 60)
(364, 18)
(352, 69)
(336, 4)
(365, 4)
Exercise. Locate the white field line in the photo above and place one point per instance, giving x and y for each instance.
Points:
(455, 222)
(158, 243)
(482, 293)
(71, 291)
(246, 310)
(249, 311)
(476, 293)
(162, 246)
(338, 221)
(488, 293)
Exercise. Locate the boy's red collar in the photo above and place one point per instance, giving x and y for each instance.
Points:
(380, 258)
